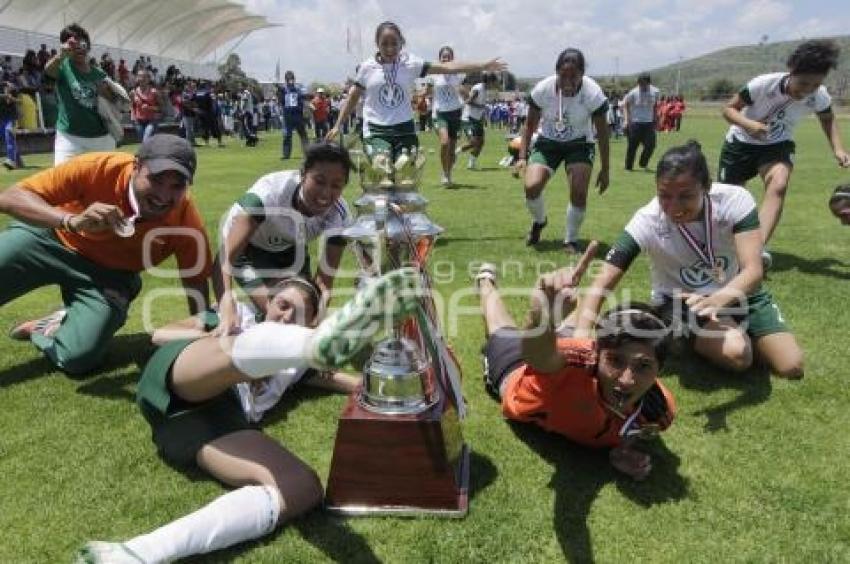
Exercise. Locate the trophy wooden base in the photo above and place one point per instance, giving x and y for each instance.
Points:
(409, 465)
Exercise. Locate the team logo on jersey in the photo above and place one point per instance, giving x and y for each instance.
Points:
(84, 94)
(391, 95)
(562, 127)
(777, 126)
(447, 95)
(699, 274)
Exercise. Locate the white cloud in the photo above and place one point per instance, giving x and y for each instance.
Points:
(528, 34)
(762, 15)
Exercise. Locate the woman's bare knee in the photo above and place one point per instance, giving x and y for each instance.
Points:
(790, 366)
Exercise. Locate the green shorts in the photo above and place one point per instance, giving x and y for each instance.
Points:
(474, 128)
(95, 297)
(180, 428)
(551, 154)
(762, 318)
(740, 162)
(390, 139)
(256, 267)
(450, 121)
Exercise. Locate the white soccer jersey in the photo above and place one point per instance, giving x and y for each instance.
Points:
(446, 95)
(271, 201)
(569, 118)
(479, 91)
(388, 89)
(642, 104)
(768, 102)
(674, 264)
(259, 396)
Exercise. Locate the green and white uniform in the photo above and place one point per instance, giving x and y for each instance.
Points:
(257, 396)
(181, 428)
(674, 264)
(473, 113)
(278, 247)
(79, 127)
(767, 101)
(566, 127)
(448, 103)
(387, 111)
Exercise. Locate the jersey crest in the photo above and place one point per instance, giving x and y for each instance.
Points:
(391, 95)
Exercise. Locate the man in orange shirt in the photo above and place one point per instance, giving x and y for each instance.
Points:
(599, 392)
(91, 225)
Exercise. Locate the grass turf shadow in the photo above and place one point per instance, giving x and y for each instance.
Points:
(558, 245)
(123, 350)
(828, 267)
(581, 472)
(331, 534)
(696, 373)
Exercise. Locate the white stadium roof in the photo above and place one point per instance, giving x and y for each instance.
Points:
(186, 30)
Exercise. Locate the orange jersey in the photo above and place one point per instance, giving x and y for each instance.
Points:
(105, 177)
(569, 402)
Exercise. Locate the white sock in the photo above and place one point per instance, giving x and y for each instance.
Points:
(537, 208)
(269, 347)
(244, 514)
(575, 217)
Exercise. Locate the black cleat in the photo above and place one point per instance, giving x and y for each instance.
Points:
(534, 233)
(573, 248)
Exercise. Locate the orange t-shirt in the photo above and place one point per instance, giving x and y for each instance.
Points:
(569, 402)
(105, 177)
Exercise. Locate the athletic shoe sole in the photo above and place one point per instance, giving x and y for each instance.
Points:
(390, 298)
(97, 552)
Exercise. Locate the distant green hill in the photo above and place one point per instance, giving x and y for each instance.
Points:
(739, 64)
(736, 65)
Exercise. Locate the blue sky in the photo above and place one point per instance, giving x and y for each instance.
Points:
(628, 35)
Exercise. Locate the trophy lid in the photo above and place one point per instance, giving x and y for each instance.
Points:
(407, 201)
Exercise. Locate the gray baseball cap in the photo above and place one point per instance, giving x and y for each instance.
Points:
(164, 151)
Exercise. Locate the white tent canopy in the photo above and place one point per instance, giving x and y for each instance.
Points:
(186, 30)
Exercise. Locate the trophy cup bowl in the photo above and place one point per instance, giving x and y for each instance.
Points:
(394, 380)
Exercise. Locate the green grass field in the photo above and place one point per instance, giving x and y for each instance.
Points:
(754, 469)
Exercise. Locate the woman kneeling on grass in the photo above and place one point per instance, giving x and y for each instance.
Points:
(187, 395)
(704, 248)
(599, 392)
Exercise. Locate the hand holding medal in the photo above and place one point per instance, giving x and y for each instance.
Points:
(126, 226)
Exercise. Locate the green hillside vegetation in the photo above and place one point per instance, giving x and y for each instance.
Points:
(718, 74)
(736, 65)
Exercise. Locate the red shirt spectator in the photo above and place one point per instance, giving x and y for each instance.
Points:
(123, 73)
(321, 107)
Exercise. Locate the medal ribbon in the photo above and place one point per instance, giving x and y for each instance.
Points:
(704, 252)
(626, 430)
(390, 77)
(559, 92)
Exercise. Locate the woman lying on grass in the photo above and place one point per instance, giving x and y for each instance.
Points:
(600, 392)
(187, 395)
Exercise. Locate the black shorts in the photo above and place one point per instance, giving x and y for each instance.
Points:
(740, 161)
(501, 355)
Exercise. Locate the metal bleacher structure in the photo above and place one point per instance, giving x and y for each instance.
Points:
(183, 33)
(179, 32)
